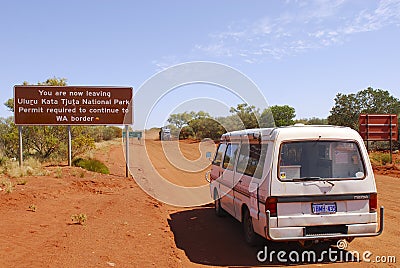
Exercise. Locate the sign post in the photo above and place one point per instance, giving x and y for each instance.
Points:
(71, 105)
(69, 146)
(21, 160)
(126, 151)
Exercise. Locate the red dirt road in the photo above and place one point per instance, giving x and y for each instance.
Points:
(127, 228)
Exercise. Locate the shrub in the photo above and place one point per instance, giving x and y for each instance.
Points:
(378, 158)
(58, 173)
(79, 218)
(91, 165)
(385, 158)
(32, 208)
(21, 182)
(8, 186)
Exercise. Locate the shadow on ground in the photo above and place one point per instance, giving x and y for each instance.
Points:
(211, 240)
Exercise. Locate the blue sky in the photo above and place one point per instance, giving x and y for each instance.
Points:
(300, 53)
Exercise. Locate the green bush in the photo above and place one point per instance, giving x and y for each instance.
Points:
(91, 165)
(385, 158)
(378, 158)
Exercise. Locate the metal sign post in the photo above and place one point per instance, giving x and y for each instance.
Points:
(390, 141)
(126, 151)
(20, 146)
(69, 146)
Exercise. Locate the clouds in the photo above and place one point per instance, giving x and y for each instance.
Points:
(387, 13)
(301, 27)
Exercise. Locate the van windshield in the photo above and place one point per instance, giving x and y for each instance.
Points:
(320, 160)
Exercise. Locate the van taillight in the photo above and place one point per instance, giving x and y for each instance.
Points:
(373, 202)
(271, 205)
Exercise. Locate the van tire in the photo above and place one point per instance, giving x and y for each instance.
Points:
(219, 211)
(250, 236)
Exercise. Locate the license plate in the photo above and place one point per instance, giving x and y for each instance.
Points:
(324, 208)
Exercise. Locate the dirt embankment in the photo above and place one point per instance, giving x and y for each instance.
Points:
(124, 226)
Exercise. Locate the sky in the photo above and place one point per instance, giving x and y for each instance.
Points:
(299, 53)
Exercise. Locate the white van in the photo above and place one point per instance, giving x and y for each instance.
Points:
(299, 183)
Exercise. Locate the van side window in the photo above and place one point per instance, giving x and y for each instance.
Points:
(220, 152)
(230, 156)
(251, 159)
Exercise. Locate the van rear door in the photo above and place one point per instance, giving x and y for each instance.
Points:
(322, 182)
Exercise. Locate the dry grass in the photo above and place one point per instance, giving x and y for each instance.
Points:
(30, 167)
(7, 186)
(79, 218)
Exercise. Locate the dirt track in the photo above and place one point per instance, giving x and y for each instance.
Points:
(127, 228)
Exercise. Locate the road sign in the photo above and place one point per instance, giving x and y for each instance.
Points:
(378, 127)
(73, 105)
(133, 134)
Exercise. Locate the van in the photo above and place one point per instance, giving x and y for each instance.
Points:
(299, 183)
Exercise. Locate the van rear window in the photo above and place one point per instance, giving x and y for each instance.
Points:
(320, 160)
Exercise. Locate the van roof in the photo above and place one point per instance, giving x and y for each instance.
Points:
(294, 131)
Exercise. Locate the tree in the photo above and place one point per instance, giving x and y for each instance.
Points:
(81, 141)
(9, 137)
(185, 132)
(181, 119)
(52, 82)
(206, 127)
(10, 104)
(230, 123)
(348, 107)
(49, 82)
(248, 115)
(200, 114)
(267, 118)
(312, 121)
(282, 115)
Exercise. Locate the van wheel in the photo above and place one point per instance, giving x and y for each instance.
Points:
(219, 211)
(250, 236)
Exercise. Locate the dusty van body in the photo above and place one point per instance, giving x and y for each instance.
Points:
(298, 183)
